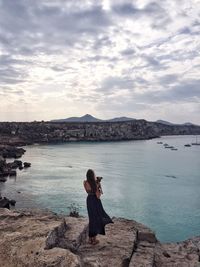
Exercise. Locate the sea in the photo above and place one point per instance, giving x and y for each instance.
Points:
(142, 180)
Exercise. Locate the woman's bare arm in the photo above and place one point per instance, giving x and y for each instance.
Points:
(98, 193)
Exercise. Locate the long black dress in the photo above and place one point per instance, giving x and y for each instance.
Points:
(98, 218)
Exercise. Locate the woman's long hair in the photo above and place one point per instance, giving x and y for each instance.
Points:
(91, 180)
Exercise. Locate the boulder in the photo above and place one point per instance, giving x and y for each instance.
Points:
(18, 163)
(27, 164)
(9, 151)
(148, 236)
(5, 202)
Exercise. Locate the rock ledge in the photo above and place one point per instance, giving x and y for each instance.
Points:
(42, 239)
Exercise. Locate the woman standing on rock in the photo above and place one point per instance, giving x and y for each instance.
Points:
(98, 218)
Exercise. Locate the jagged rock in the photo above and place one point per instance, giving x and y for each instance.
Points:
(69, 236)
(18, 163)
(186, 253)
(144, 255)
(147, 236)
(27, 164)
(12, 202)
(40, 238)
(22, 241)
(7, 151)
(54, 237)
(5, 202)
(12, 165)
(7, 169)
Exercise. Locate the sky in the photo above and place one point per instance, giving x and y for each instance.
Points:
(109, 58)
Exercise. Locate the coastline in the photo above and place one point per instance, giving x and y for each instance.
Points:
(172, 244)
(28, 178)
(42, 238)
(24, 133)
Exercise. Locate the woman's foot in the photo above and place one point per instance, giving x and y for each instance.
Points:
(95, 241)
(90, 240)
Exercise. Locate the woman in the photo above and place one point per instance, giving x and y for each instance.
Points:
(97, 216)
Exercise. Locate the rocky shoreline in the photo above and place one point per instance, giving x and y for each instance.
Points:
(41, 239)
(9, 169)
(23, 133)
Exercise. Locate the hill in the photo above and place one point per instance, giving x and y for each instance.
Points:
(90, 118)
(85, 118)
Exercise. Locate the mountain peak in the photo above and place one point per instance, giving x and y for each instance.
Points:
(87, 116)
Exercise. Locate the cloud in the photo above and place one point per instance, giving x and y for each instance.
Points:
(111, 84)
(10, 70)
(169, 79)
(128, 52)
(36, 26)
(152, 10)
(129, 9)
(97, 58)
(115, 56)
(186, 91)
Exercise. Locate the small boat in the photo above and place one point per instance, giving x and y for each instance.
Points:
(196, 143)
(174, 148)
(169, 147)
(187, 145)
(166, 145)
(159, 142)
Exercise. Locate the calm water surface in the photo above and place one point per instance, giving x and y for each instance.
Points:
(141, 180)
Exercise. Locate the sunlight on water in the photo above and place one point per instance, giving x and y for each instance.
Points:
(142, 181)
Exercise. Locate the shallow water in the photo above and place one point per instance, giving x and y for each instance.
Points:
(142, 180)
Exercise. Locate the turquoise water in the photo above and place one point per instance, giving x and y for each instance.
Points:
(142, 180)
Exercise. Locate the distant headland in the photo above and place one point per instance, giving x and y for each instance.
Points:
(88, 128)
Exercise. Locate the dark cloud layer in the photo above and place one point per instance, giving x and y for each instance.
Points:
(129, 9)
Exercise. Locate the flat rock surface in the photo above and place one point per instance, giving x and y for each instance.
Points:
(22, 241)
(114, 249)
(182, 254)
(44, 239)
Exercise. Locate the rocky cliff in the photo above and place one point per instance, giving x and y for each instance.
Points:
(39, 132)
(42, 239)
